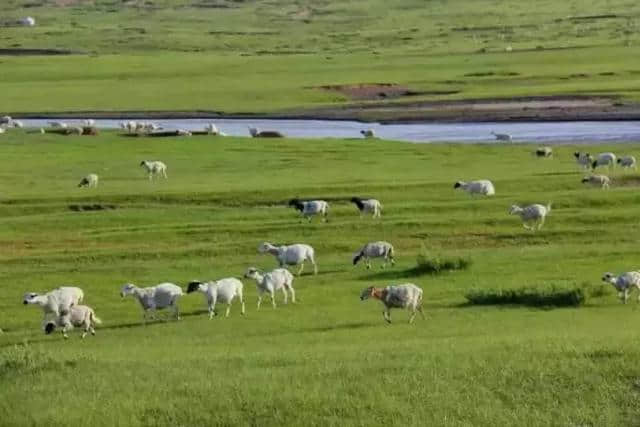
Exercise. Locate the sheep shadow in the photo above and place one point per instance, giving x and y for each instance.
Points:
(392, 274)
(342, 326)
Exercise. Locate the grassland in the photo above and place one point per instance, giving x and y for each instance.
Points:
(271, 56)
(330, 359)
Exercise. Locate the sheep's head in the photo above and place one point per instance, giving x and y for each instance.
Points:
(458, 184)
(357, 201)
(576, 154)
(514, 209)
(251, 273)
(253, 131)
(594, 164)
(127, 289)
(619, 160)
(609, 277)
(142, 163)
(366, 293)
(29, 298)
(356, 258)
(296, 203)
(585, 179)
(195, 285)
(49, 328)
(264, 247)
(84, 182)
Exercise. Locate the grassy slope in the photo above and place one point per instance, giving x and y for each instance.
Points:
(328, 359)
(263, 56)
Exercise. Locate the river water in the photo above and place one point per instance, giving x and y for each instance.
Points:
(532, 132)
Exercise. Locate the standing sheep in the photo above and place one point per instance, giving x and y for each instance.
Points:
(584, 160)
(597, 180)
(407, 296)
(624, 283)
(154, 168)
(628, 162)
(605, 159)
(502, 136)
(291, 255)
(372, 206)
(543, 152)
(375, 250)
(311, 208)
(482, 186)
(155, 298)
(78, 316)
(278, 279)
(90, 180)
(223, 290)
(533, 216)
(368, 133)
(53, 302)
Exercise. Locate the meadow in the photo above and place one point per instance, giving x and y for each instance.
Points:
(329, 359)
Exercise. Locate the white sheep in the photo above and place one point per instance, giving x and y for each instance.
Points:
(372, 206)
(90, 180)
(481, 186)
(291, 255)
(533, 216)
(211, 129)
(605, 159)
(375, 250)
(154, 168)
(54, 301)
(597, 180)
(223, 290)
(311, 208)
(502, 136)
(256, 133)
(624, 283)
(584, 160)
(628, 162)
(155, 298)
(78, 316)
(278, 279)
(368, 133)
(543, 152)
(407, 296)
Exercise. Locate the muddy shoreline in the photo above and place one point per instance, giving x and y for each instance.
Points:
(523, 109)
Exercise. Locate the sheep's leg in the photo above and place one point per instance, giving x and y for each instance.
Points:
(228, 309)
(412, 316)
(259, 301)
(273, 298)
(386, 315)
(284, 293)
(212, 310)
(293, 295)
(626, 295)
(176, 310)
(301, 268)
(420, 311)
(242, 306)
(367, 263)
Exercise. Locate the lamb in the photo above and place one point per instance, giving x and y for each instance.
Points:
(278, 279)
(584, 160)
(54, 301)
(628, 162)
(78, 316)
(604, 159)
(407, 296)
(154, 168)
(368, 133)
(533, 216)
(311, 208)
(375, 250)
(600, 180)
(372, 206)
(502, 136)
(155, 298)
(90, 180)
(265, 133)
(223, 290)
(543, 152)
(482, 186)
(624, 283)
(291, 255)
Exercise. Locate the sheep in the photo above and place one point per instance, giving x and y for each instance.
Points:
(368, 205)
(375, 250)
(54, 301)
(5, 120)
(543, 152)
(368, 133)
(624, 283)
(310, 208)
(155, 298)
(502, 136)
(154, 168)
(90, 180)
(584, 160)
(17, 124)
(407, 296)
(256, 133)
(533, 216)
(291, 255)
(223, 290)
(628, 162)
(482, 186)
(211, 129)
(27, 21)
(600, 180)
(78, 316)
(278, 279)
(604, 159)
(61, 125)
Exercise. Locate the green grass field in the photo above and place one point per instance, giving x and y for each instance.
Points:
(270, 56)
(329, 359)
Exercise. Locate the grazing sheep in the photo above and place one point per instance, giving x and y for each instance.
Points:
(78, 316)
(265, 133)
(407, 296)
(310, 208)
(481, 186)
(375, 250)
(368, 133)
(604, 159)
(278, 279)
(597, 180)
(628, 162)
(90, 180)
(543, 152)
(372, 206)
(154, 168)
(532, 216)
(223, 290)
(155, 298)
(54, 301)
(624, 283)
(27, 21)
(60, 125)
(291, 255)
(502, 136)
(584, 160)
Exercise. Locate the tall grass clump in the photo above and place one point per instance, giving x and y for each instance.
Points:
(547, 296)
(435, 263)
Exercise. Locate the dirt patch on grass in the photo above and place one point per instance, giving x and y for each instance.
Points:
(376, 91)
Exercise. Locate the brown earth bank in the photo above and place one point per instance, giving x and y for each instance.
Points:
(534, 108)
